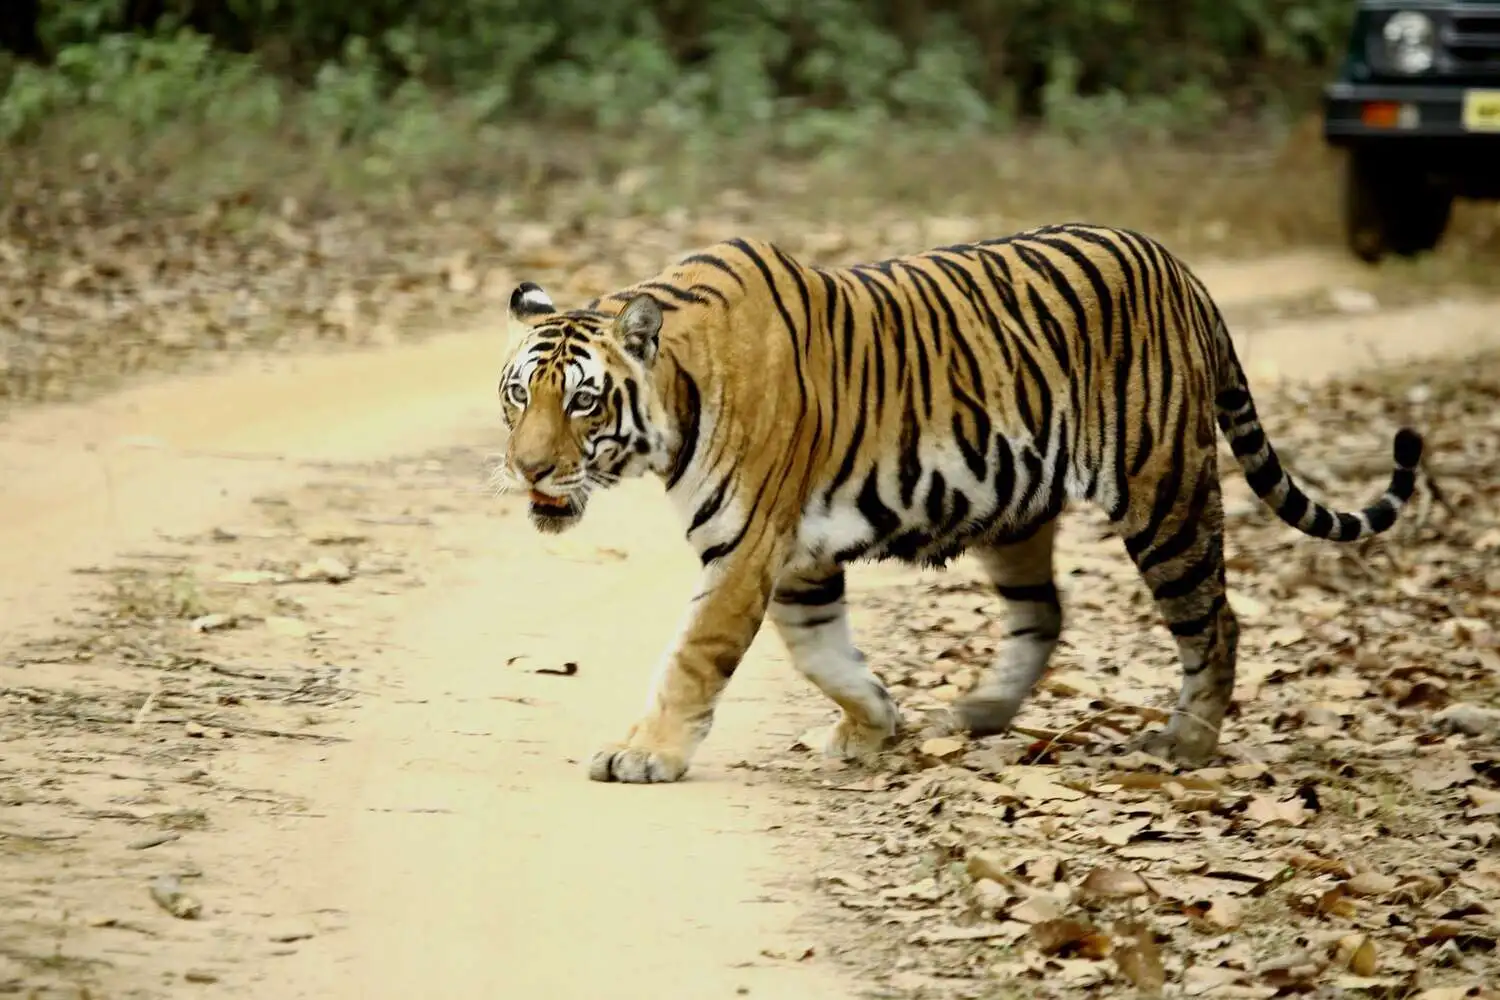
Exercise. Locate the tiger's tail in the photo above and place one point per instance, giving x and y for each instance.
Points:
(1235, 410)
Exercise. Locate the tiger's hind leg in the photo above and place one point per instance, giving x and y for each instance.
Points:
(1179, 550)
(1022, 575)
(812, 619)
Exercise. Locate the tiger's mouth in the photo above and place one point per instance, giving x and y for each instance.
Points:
(552, 514)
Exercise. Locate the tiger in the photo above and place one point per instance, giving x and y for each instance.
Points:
(802, 418)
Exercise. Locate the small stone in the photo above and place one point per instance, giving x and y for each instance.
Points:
(1352, 300)
(166, 892)
(325, 568)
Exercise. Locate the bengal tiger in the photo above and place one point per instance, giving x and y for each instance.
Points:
(803, 417)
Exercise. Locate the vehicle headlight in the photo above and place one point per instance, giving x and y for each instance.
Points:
(1408, 37)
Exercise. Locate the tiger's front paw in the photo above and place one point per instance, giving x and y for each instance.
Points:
(862, 736)
(637, 765)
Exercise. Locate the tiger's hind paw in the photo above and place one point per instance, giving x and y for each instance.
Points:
(981, 716)
(1192, 747)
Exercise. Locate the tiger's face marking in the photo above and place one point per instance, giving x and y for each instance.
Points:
(577, 397)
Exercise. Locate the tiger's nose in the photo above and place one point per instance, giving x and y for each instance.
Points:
(533, 470)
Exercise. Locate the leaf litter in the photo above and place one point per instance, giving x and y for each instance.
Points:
(1344, 844)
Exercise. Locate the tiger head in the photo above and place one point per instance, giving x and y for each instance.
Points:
(578, 399)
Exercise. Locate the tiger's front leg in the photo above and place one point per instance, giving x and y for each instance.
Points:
(721, 623)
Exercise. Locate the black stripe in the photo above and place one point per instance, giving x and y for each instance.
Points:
(1035, 593)
(881, 518)
(689, 416)
(672, 291)
(937, 488)
(829, 590)
(709, 507)
(1187, 529)
(1294, 507)
(1264, 477)
(1191, 579)
(1232, 400)
(716, 262)
(1197, 626)
(1248, 444)
(1381, 515)
(701, 289)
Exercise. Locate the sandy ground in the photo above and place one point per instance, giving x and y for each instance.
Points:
(365, 781)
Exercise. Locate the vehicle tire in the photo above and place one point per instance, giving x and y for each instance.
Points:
(1391, 207)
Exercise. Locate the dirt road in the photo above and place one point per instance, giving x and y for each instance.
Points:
(328, 677)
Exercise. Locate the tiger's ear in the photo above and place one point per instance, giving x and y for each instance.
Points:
(638, 328)
(529, 302)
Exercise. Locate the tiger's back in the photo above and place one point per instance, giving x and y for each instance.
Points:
(945, 402)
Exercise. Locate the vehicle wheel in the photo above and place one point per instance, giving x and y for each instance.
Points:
(1391, 208)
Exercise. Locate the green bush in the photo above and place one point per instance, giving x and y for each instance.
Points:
(810, 68)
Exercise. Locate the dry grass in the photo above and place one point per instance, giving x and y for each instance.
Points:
(187, 243)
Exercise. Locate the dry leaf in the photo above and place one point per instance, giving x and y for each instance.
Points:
(1370, 884)
(1114, 883)
(1034, 784)
(942, 935)
(1292, 969)
(1267, 811)
(1138, 958)
(1037, 909)
(1356, 952)
(1069, 936)
(990, 895)
(943, 747)
(1336, 902)
(1043, 870)
(1221, 913)
(987, 865)
(1435, 775)
(1486, 802)
(1121, 833)
(1316, 865)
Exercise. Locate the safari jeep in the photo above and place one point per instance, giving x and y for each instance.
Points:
(1417, 107)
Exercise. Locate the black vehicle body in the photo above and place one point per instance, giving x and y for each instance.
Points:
(1417, 107)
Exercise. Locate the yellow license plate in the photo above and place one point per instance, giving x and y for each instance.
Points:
(1482, 111)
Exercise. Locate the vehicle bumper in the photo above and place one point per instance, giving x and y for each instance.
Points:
(1424, 112)
(1419, 123)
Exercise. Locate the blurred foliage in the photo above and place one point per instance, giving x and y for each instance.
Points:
(810, 69)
